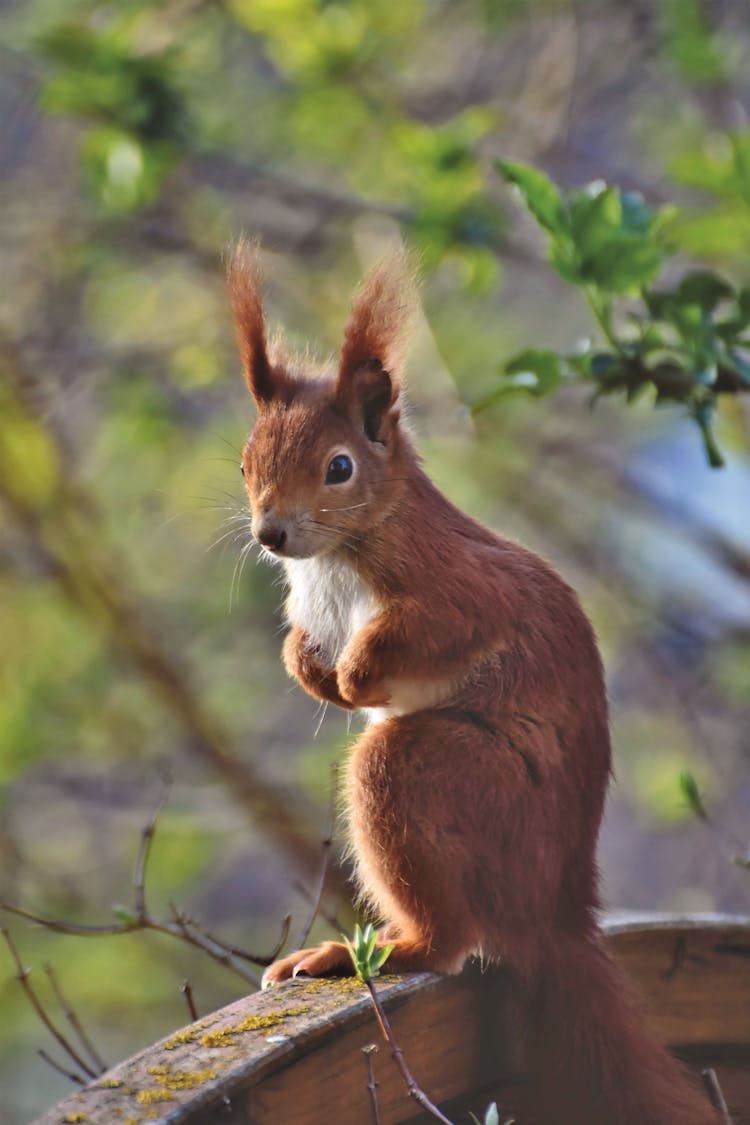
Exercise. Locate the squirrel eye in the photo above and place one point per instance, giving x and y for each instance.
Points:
(340, 469)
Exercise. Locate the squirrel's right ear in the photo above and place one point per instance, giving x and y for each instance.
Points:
(246, 297)
(374, 342)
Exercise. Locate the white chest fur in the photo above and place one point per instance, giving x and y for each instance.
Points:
(328, 600)
(331, 603)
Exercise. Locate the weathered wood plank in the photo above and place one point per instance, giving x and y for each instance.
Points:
(294, 1054)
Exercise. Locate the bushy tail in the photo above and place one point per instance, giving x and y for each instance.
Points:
(600, 1062)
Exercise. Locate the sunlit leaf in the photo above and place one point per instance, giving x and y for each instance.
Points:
(539, 194)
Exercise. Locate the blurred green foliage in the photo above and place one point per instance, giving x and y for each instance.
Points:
(686, 344)
(140, 139)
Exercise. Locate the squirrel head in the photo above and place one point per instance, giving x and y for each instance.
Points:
(327, 455)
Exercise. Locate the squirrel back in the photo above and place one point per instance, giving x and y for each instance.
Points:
(475, 795)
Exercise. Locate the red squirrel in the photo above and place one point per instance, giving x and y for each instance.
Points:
(475, 794)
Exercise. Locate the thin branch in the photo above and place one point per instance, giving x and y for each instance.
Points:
(181, 926)
(187, 992)
(715, 1095)
(178, 928)
(243, 954)
(415, 1091)
(73, 1020)
(72, 928)
(372, 1086)
(216, 950)
(139, 873)
(327, 844)
(22, 976)
(69, 1074)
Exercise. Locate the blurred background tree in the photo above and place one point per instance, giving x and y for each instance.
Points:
(138, 140)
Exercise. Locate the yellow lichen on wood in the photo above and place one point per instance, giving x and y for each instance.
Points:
(180, 1079)
(188, 1036)
(225, 1036)
(148, 1097)
(75, 1118)
(258, 1023)
(111, 1083)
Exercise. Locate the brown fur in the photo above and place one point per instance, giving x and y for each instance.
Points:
(474, 799)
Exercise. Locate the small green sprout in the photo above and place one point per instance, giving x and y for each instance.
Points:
(692, 794)
(368, 960)
(491, 1117)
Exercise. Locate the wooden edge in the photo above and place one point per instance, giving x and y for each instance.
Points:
(694, 973)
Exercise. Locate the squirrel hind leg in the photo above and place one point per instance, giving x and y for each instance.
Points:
(455, 841)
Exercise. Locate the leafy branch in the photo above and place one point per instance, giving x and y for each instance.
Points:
(686, 344)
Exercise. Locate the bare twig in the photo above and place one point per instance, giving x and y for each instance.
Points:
(179, 926)
(139, 873)
(216, 950)
(73, 1020)
(415, 1091)
(372, 1085)
(715, 1095)
(187, 992)
(243, 954)
(22, 976)
(72, 928)
(69, 1074)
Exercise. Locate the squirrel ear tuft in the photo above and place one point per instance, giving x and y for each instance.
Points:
(378, 325)
(246, 297)
(375, 339)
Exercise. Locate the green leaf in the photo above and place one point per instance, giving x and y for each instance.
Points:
(624, 264)
(492, 1116)
(379, 958)
(691, 793)
(536, 370)
(595, 217)
(123, 915)
(705, 289)
(564, 258)
(540, 195)
(694, 50)
(366, 957)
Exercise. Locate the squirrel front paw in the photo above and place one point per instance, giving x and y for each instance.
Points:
(358, 686)
(329, 959)
(305, 662)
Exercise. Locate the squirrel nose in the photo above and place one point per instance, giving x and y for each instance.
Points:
(271, 536)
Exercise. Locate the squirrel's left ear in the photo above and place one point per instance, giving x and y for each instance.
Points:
(369, 378)
(246, 296)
